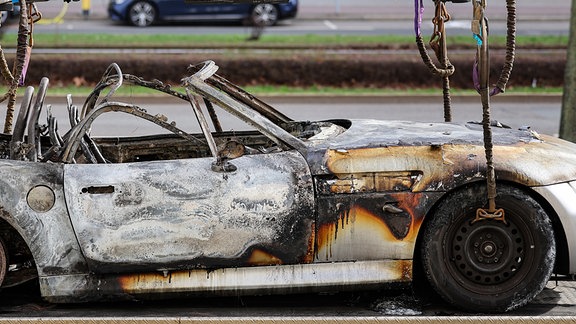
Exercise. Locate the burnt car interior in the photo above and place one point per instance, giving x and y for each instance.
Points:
(34, 141)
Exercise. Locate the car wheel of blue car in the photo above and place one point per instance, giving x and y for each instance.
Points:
(488, 265)
(265, 15)
(3, 261)
(3, 17)
(142, 14)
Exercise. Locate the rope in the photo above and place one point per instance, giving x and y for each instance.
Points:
(482, 69)
(510, 50)
(22, 52)
(481, 76)
(438, 44)
(29, 15)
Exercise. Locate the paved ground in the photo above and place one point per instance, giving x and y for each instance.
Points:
(562, 293)
(558, 300)
(359, 9)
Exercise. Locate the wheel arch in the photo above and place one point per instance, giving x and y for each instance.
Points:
(562, 261)
(18, 252)
(277, 6)
(14, 241)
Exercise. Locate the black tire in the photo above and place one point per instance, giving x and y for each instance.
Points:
(142, 14)
(264, 14)
(488, 265)
(3, 261)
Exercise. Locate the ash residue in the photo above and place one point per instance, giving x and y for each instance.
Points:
(402, 305)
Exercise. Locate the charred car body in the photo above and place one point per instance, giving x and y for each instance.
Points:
(285, 207)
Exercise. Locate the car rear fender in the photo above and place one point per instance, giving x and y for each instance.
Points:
(32, 203)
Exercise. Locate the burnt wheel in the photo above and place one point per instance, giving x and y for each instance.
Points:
(488, 265)
(142, 14)
(3, 261)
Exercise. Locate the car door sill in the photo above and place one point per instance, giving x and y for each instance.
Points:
(229, 281)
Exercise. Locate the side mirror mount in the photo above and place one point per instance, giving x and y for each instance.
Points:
(231, 150)
(223, 166)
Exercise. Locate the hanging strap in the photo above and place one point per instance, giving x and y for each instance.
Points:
(419, 10)
(438, 44)
(481, 81)
(510, 46)
(482, 66)
(481, 75)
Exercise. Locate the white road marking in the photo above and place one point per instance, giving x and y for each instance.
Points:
(330, 25)
(459, 24)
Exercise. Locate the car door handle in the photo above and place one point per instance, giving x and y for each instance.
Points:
(97, 190)
(389, 208)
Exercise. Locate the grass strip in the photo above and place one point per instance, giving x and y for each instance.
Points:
(71, 40)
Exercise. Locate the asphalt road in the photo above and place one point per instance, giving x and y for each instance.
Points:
(365, 9)
(540, 113)
(327, 17)
(296, 27)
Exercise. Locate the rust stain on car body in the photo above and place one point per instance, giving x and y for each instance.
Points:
(447, 155)
(355, 220)
(262, 280)
(367, 226)
(350, 183)
(431, 166)
(259, 257)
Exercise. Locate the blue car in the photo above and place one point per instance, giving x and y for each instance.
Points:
(144, 13)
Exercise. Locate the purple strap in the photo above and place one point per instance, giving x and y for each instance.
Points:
(476, 80)
(418, 13)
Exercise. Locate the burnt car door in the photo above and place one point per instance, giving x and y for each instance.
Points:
(173, 214)
(186, 213)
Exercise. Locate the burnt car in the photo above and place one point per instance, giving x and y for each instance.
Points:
(283, 206)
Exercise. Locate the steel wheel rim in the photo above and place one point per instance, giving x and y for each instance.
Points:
(142, 14)
(264, 15)
(488, 253)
